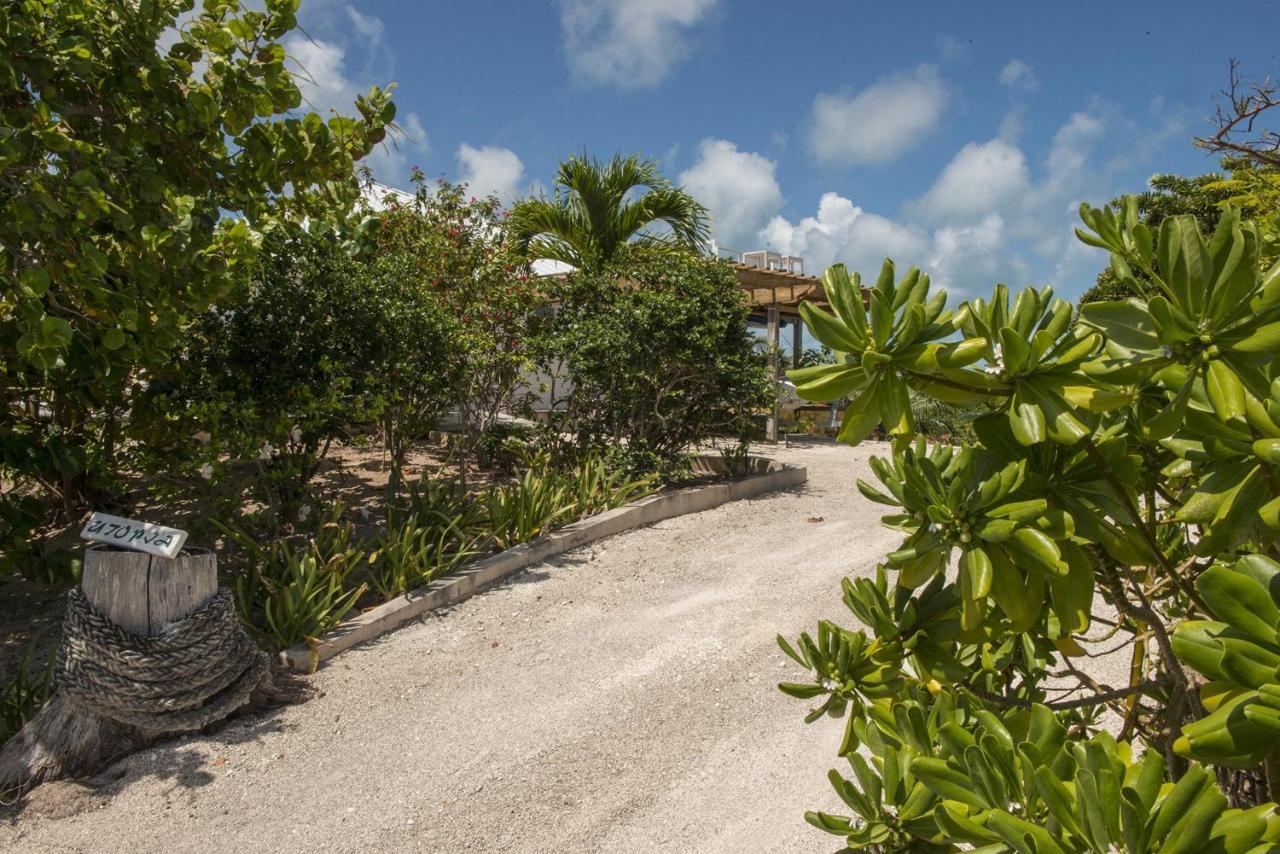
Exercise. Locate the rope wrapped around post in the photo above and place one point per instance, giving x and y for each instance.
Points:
(152, 647)
(199, 670)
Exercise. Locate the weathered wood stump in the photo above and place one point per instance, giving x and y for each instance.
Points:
(141, 597)
(144, 594)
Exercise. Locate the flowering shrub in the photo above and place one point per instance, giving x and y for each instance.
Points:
(458, 249)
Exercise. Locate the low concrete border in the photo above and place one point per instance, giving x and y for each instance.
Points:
(766, 476)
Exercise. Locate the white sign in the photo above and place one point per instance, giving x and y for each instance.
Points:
(139, 536)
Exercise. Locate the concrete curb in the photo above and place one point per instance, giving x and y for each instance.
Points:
(485, 572)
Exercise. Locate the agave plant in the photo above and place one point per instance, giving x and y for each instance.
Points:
(530, 506)
(288, 593)
(413, 551)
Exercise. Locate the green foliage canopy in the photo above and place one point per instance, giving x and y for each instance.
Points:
(1127, 459)
(657, 353)
(138, 179)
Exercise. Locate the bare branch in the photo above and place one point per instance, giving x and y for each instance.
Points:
(1238, 111)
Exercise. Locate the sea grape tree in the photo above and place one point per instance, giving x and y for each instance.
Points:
(1122, 496)
(145, 147)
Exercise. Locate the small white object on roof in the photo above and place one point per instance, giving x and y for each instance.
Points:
(133, 535)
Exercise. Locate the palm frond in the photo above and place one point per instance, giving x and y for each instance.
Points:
(597, 208)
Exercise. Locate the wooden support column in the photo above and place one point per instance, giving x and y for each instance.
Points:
(797, 342)
(773, 328)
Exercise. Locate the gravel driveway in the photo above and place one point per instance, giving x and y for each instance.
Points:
(618, 698)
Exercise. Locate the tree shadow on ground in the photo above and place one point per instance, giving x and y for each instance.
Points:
(179, 761)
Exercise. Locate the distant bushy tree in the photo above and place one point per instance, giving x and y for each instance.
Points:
(460, 250)
(658, 354)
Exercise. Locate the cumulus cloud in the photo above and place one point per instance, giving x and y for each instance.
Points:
(842, 231)
(968, 260)
(964, 259)
(321, 73)
(1018, 75)
(628, 43)
(739, 187)
(1072, 144)
(982, 177)
(879, 123)
(491, 170)
(996, 212)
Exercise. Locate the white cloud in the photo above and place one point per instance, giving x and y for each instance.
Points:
(321, 73)
(1072, 143)
(842, 231)
(628, 43)
(879, 123)
(491, 170)
(966, 260)
(739, 187)
(1018, 75)
(982, 177)
(371, 29)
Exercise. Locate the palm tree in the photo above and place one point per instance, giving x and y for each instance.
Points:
(596, 210)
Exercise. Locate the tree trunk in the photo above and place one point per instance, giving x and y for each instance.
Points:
(142, 594)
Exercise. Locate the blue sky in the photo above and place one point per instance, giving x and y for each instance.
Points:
(960, 137)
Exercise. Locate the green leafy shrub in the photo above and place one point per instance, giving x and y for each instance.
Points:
(1128, 459)
(658, 355)
(116, 240)
(288, 593)
(460, 251)
(270, 381)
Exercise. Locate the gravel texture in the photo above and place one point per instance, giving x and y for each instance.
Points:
(619, 697)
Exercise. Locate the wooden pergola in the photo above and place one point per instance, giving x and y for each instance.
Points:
(775, 296)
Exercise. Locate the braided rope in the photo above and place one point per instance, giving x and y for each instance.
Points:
(198, 670)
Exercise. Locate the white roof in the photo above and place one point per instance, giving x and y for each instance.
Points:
(378, 196)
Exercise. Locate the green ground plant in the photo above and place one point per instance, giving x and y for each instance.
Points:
(290, 592)
(1127, 460)
(412, 552)
(22, 695)
(540, 499)
(598, 487)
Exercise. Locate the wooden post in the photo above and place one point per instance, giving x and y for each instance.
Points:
(142, 593)
(772, 322)
(797, 342)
